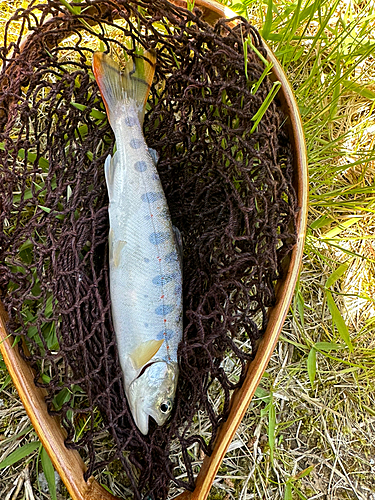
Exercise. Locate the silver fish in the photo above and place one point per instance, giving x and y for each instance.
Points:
(144, 248)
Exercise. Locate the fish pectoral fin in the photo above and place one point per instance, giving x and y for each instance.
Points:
(144, 352)
(116, 251)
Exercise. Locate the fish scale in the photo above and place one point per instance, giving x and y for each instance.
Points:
(144, 258)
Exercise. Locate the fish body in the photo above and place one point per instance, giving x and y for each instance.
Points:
(144, 248)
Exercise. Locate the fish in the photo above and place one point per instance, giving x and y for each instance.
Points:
(145, 249)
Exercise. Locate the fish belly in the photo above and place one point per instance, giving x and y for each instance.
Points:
(145, 266)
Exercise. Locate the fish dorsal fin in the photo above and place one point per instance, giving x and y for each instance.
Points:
(132, 85)
(144, 352)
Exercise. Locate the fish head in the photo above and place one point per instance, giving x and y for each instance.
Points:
(152, 394)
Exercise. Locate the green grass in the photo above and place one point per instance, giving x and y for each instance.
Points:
(310, 431)
(321, 376)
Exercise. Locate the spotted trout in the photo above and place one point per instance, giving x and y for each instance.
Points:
(145, 262)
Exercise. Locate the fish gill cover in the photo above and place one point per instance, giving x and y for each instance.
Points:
(229, 191)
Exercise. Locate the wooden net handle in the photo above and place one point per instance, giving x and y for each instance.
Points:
(68, 463)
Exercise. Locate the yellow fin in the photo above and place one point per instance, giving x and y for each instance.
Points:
(117, 249)
(117, 86)
(144, 352)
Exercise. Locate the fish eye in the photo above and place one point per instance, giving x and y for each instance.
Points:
(166, 406)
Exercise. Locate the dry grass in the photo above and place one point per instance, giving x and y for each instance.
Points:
(324, 435)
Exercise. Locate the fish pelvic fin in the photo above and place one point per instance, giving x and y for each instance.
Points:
(130, 86)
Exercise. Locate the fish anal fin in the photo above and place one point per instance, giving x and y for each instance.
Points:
(117, 249)
(145, 352)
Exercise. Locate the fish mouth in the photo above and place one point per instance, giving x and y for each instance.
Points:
(141, 419)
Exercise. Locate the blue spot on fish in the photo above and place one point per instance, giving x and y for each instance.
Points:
(155, 177)
(146, 325)
(131, 120)
(178, 289)
(162, 280)
(171, 257)
(164, 309)
(158, 238)
(140, 166)
(165, 334)
(151, 197)
(136, 143)
(146, 259)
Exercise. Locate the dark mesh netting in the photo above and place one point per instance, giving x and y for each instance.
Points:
(229, 192)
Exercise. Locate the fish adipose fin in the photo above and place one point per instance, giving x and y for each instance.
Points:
(118, 87)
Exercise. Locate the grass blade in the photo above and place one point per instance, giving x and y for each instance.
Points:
(340, 271)
(265, 73)
(305, 472)
(49, 473)
(76, 11)
(311, 366)
(340, 227)
(338, 320)
(327, 346)
(19, 454)
(245, 57)
(95, 113)
(7, 381)
(288, 491)
(16, 436)
(268, 21)
(271, 428)
(266, 103)
(359, 89)
(259, 54)
(300, 306)
(336, 94)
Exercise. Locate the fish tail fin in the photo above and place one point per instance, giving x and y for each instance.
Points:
(131, 85)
